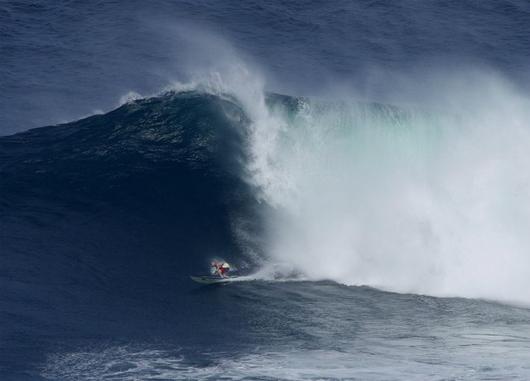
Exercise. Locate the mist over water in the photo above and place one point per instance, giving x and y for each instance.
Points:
(425, 193)
(431, 201)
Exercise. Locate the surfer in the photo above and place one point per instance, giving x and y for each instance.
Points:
(220, 268)
(219, 274)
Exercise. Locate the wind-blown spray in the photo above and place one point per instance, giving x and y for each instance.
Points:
(411, 201)
(429, 199)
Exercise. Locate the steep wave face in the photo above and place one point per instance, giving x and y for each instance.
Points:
(110, 214)
(428, 201)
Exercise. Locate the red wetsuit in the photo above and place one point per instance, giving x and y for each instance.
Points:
(220, 270)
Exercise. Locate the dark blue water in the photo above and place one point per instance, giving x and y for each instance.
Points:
(378, 213)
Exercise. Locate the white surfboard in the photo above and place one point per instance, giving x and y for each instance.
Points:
(211, 279)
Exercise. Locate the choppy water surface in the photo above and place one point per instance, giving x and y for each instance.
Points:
(301, 330)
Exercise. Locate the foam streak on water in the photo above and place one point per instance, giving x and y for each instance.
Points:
(323, 331)
(125, 364)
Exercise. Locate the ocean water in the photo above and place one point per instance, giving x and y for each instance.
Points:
(362, 165)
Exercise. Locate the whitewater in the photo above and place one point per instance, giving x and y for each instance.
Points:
(431, 202)
(426, 199)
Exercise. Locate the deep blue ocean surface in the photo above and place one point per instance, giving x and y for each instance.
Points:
(363, 165)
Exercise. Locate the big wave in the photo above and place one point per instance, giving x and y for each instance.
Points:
(407, 199)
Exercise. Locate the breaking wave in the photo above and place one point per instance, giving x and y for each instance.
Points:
(430, 200)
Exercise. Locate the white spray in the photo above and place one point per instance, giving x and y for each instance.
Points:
(422, 202)
(432, 201)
